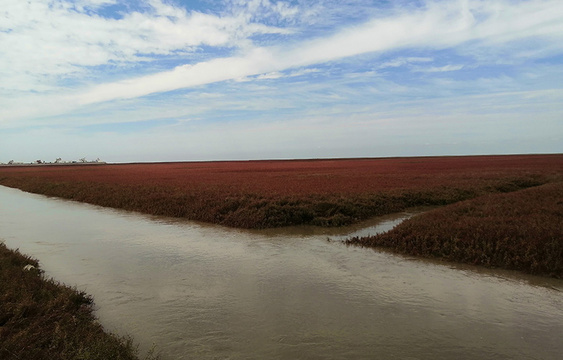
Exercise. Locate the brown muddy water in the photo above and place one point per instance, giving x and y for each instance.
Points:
(206, 292)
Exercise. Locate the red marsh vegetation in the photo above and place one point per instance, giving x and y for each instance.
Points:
(259, 194)
(520, 230)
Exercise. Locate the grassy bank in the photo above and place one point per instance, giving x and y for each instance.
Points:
(262, 194)
(42, 319)
(521, 230)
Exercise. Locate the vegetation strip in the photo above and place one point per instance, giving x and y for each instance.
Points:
(521, 230)
(262, 194)
(42, 319)
(494, 223)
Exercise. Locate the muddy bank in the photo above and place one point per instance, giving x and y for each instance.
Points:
(43, 319)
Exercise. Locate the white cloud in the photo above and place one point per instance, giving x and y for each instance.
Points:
(434, 69)
(434, 26)
(256, 62)
(44, 41)
(92, 4)
(302, 72)
(263, 10)
(48, 45)
(401, 61)
(479, 124)
(270, 76)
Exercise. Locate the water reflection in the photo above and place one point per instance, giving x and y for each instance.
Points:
(206, 292)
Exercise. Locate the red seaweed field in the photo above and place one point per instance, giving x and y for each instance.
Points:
(521, 230)
(259, 194)
(499, 211)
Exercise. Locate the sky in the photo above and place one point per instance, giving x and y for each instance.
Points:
(191, 80)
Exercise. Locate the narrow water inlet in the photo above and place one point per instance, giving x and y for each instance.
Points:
(208, 292)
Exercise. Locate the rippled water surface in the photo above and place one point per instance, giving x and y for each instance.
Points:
(207, 292)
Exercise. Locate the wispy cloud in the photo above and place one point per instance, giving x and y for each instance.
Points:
(432, 26)
(436, 69)
(404, 61)
(46, 42)
(69, 63)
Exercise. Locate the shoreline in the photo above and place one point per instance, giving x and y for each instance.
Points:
(41, 318)
(53, 164)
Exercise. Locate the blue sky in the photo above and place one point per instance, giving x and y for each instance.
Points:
(167, 80)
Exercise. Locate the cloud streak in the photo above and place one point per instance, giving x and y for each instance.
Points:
(434, 26)
(61, 40)
(353, 67)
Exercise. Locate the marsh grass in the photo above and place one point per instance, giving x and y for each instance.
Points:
(520, 230)
(43, 319)
(265, 194)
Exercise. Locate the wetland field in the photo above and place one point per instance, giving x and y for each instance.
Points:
(504, 226)
(230, 260)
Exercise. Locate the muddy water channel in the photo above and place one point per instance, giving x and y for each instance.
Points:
(204, 292)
